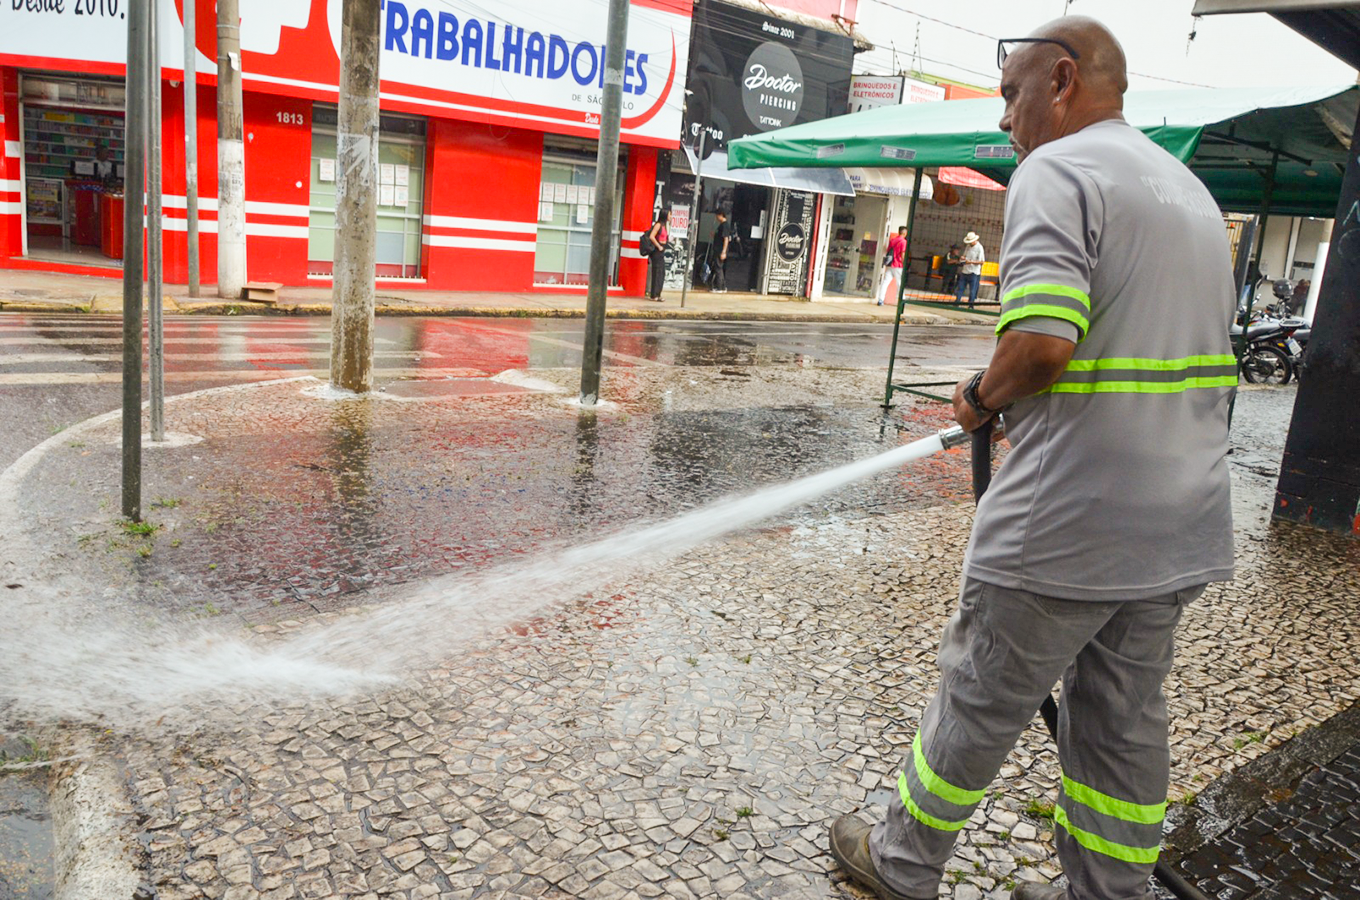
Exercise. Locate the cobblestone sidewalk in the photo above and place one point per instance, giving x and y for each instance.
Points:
(685, 730)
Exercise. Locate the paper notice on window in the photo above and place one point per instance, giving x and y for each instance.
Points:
(559, 193)
(582, 214)
(588, 196)
(327, 172)
(571, 193)
(385, 174)
(545, 211)
(384, 195)
(403, 176)
(545, 191)
(401, 195)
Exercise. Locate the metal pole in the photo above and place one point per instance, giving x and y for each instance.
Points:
(134, 177)
(191, 141)
(607, 173)
(356, 199)
(155, 246)
(902, 287)
(1266, 198)
(231, 155)
(695, 216)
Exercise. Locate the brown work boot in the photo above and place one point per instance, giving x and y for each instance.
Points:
(850, 847)
(1028, 890)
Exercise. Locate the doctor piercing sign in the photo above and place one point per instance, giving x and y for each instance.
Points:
(772, 86)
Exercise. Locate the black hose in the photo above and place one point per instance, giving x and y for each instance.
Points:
(982, 460)
(982, 479)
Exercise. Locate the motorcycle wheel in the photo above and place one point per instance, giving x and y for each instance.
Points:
(1266, 365)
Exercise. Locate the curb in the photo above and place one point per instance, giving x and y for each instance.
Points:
(245, 307)
(95, 853)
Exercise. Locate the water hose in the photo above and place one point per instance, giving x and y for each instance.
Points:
(1048, 710)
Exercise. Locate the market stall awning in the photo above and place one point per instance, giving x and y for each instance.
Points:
(895, 182)
(1238, 140)
(823, 181)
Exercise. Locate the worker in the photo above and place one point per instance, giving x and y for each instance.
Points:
(1110, 514)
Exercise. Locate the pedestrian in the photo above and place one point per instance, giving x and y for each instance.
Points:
(897, 255)
(1110, 513)
(949, 269)
(654, 245)
(722, 238)
(970, 269)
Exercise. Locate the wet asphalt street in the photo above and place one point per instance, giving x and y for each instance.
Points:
(59, 370)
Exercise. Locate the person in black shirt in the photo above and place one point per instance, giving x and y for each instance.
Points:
(722, 238)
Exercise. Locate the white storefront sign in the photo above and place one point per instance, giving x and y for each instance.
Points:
(520, 61)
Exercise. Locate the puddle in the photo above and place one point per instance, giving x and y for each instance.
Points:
(26, 871)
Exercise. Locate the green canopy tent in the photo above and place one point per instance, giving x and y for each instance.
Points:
(1258, 150)
(1293, 141)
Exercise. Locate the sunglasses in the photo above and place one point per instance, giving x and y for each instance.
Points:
(1002, 51)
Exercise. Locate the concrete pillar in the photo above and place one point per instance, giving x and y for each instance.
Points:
(231, 155)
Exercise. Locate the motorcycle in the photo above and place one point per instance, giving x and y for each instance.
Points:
(1273, 351)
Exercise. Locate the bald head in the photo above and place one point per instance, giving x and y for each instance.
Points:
(1073, 77)
(1102, 65)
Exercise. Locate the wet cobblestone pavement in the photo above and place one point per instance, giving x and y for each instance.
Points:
(1306, 846)
(685, 731)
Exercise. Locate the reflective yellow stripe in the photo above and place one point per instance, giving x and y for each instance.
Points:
(1055, 290)
(921, 815)
(1155, 365)
(937, 785)
(1097, 844)
(1142, 813)
(1044, 309)
(1142, 387)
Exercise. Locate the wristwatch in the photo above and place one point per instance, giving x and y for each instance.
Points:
(970, 395)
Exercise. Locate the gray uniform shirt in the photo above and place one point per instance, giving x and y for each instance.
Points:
(1116, 487)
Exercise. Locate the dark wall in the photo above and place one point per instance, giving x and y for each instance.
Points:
(751, 73)
(1320, 476)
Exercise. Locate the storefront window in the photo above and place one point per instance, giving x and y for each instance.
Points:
(566, 215)
(73, 148)
(857, 244)
(401, 193)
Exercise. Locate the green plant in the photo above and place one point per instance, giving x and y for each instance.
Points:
(721, 834)
(143, 528)
(693, 661)
(144, 551)
(176, 542)
(212, 566)
(954, 876)
(1038, 809)
(33, 754)
(1004, 836)
(166, 502)
(746, 659)
(211, 609)
(745, 812)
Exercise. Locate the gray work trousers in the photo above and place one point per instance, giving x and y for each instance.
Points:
(1001, 653)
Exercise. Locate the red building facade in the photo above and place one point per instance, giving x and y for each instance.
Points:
(488, 138)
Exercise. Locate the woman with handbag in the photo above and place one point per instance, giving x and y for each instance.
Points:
(654, 245)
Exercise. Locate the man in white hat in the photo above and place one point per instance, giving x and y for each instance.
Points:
(970, 273)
